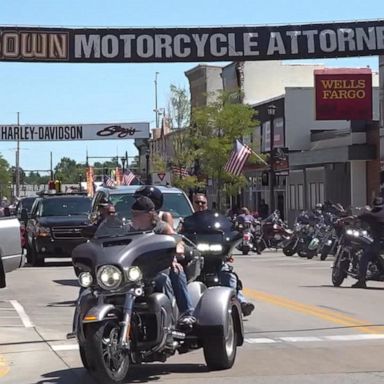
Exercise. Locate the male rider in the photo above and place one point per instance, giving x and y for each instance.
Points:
(144, 218)
(226, 275)
(375, 219)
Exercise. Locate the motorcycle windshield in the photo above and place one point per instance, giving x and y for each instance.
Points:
(212, 233)
(206, 222)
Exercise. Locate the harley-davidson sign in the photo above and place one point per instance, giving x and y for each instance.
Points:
(128, 45)
(343, 94)
(64, 132)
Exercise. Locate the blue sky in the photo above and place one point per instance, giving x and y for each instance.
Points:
(97, 93)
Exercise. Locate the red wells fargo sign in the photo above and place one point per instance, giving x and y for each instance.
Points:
(343, 94)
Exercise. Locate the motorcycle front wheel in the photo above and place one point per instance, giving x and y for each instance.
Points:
(339, 269)
(107, 362)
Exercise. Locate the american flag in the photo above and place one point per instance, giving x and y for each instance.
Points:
(180, 171)
(108, 181)
(128, 177)
(238, 158)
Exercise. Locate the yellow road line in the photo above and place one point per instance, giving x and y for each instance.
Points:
(311, 310)
(4, 367)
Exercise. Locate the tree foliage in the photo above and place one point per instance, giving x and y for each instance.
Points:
(179, 107)
(69, 171)
(214, 130)
(5, 177)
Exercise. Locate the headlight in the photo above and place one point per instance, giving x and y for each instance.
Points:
(85, 279)
(364, 233)
(349, 232)
(109, 277)
(356, 233)
(202, 247)
(134, 274)
(43, 231)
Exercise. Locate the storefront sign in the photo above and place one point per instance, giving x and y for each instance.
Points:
(133, 45)
(343, 94)
(67, 132)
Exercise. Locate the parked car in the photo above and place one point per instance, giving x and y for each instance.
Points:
(175, 201)
(55, 225)
(11, 256)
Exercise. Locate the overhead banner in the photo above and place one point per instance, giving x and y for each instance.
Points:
(343, 94)
(68, 132)
(140, 45)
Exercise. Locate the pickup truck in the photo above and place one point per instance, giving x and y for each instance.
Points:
(54, 226)
(11, 256)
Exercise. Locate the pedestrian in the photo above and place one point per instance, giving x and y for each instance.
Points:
(263, 209)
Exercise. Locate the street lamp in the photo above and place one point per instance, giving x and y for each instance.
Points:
(17, 192)
(271, 110)
(147, 167)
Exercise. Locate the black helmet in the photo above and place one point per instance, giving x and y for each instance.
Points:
(153, 193)
(378, 202)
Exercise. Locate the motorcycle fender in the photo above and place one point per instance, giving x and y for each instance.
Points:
(100, 312)
(211, 312)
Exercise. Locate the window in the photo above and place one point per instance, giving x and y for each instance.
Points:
(300, 197)
(292, 197)
(321, 192)
(312, 195)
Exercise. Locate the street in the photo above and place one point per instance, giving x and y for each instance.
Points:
(303, 330)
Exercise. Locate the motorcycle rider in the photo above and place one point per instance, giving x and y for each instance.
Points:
(156, 196)
(375, 219)
(226, 275)
(145, 217)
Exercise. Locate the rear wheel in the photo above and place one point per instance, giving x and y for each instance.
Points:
(245, 251)
(220, 351)
(311, 254)
(325, 252)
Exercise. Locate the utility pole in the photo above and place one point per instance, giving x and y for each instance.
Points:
(51, 167)
(156, 110)
(17, 192)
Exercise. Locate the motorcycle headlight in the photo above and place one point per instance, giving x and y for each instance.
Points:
(203, 247)
(349, 232)
(356, 233)
(85, 279)
(364, 233)
(109, 277)
(134, 274)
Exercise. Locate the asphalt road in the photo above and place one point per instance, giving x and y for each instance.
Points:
(303, 330)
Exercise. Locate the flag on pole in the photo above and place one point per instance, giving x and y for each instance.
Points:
(128, 177)
(108, 181)
(90, 180)
(180, 171)
(238, 158)
(118, 176)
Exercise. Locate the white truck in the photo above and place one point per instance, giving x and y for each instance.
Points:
(11, 255)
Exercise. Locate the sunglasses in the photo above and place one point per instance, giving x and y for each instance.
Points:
(200, 202)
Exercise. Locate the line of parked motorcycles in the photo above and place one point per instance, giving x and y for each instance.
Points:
(314, 233)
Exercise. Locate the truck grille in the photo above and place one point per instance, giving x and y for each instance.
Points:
(67, 232)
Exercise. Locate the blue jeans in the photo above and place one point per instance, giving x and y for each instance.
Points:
(174, 285)
(229, 279)
(179, 285)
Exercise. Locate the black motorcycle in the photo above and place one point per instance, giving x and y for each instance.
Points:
(215, 238)
(121, 320)
(353, 238)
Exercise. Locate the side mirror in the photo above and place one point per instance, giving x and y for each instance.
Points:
(24, 215)
(88, 232)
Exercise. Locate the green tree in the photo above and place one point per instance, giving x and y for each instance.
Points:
(5, 177)
(179, 107)
(215, 129)
(69, 171)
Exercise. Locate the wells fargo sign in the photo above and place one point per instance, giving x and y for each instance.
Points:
(343, 94)
(116, 45)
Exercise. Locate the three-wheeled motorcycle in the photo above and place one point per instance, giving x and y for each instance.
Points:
(120, 318)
